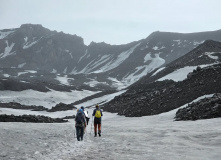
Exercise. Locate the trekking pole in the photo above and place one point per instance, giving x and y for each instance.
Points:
(91, 124)
(74, 132)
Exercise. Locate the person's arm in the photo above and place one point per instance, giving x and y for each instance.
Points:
(93, 112)
(101, 113)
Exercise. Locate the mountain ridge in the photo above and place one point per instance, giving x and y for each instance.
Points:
(99, 65)
(155, 94)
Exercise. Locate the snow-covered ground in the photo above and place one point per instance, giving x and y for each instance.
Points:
(156, 137)
(48, 99)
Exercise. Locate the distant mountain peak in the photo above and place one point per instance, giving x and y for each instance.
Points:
(30, 25)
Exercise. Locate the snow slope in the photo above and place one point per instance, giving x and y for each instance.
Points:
(8, 50)
(48, 99)
(153, 137)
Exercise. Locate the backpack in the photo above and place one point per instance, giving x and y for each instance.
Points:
(79, 118)
(98, 114)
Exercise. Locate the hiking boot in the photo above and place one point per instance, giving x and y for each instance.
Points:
(95, 135)
(99, 133)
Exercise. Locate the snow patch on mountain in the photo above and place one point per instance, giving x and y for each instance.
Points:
(155, 62)
(26, 71)
(62, 80)
(94, 83)
(99, 62)
(181, 74)
(210, 55)
(86, 52)
(116, 83)
(54, 71)
(26, 39)
(8, 50)
(65, 70)
(85, 69)
(5, 34)
(28, 45)
(147, 57)
(197, 43)
(6, 75)
(158, 48)
(21, 65)
(160, 69)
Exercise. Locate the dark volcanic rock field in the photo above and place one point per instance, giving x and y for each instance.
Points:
(159, 97)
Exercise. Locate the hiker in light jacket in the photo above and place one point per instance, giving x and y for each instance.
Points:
(86, 114)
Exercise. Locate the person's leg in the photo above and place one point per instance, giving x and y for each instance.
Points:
(99, 129)
(95, 129)
(82, 133)
(78, 133)
(87, 120)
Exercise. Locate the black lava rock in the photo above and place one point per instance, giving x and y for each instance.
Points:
(15, 105)
(206, 108)
(30, 118)
(62, 107)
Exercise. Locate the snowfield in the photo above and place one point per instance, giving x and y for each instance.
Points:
(151, 137)
(48, 99)
(156, 137)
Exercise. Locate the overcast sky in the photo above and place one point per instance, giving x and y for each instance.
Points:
(113, 21)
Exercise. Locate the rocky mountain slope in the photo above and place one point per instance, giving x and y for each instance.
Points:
(178, 83)
(33, 53)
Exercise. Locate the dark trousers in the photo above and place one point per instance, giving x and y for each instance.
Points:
(87, 119)
(80, 133)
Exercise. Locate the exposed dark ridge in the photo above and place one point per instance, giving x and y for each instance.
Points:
(30, 119)
(14, 85)
(196, 35)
